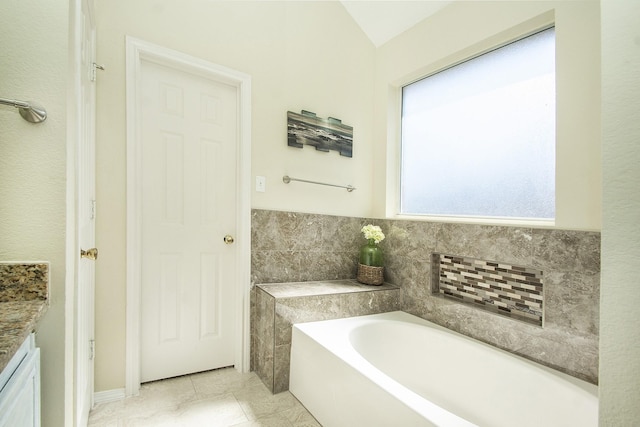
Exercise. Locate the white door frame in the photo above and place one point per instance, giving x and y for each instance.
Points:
(72, 248)
(86, 214)
(138, 51)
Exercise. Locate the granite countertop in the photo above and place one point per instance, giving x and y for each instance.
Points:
(323, 287)
(17, 320)
(23, 301)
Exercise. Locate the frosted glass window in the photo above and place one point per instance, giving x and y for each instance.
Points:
(478, 139)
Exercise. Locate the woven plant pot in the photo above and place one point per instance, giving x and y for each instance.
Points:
(370, 275)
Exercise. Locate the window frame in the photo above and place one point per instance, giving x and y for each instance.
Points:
(394, 131)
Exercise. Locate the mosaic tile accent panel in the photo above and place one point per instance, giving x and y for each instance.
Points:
(507, 289)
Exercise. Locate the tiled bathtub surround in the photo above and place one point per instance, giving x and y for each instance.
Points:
(294, 247)
(506, 289)
(280, 305)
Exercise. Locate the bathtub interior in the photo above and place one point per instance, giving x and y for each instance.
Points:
(339, 396)
(473, 376)
(474, 381)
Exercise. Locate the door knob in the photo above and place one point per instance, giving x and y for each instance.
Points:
(228, 239)
(89, 253)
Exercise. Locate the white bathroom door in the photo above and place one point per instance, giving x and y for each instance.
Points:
(189, 128)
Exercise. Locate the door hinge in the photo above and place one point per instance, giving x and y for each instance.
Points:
(94, 68)
(92, 349)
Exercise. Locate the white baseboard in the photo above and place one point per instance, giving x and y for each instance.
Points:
(108, 396)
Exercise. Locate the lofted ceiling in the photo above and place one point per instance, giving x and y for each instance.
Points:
(382, 20)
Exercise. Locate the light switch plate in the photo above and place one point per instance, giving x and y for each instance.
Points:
(261, 184)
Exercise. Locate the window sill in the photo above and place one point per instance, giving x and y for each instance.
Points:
(517, 222)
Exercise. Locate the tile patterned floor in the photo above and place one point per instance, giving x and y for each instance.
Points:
(220, 398)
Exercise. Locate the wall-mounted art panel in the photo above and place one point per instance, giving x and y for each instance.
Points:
(323, 134)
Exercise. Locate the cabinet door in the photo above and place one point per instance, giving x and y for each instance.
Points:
(20, 399)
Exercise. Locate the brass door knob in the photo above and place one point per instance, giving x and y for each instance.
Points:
(228, 239)
(91, 254)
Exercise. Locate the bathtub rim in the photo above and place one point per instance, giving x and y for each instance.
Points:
(403, 316)
(341, 347)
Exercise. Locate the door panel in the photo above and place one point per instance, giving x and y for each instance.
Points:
(189, 137)
(86, 208)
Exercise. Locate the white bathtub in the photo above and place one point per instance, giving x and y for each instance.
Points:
(395, 369)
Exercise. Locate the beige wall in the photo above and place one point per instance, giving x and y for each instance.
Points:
(620, 290)
(300, 55)
(32, 157)
(269, 41)
(466, 28)
(33, 67)
(343, 76)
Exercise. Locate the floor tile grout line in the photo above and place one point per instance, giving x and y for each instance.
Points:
(241, 408)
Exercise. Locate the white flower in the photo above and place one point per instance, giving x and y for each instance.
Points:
(373, 232)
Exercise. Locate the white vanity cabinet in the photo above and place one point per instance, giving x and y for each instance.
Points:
(20, 388)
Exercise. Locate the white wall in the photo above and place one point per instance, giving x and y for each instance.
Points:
(620, 287)
(33, 67)
(300, 55)
(465, 28)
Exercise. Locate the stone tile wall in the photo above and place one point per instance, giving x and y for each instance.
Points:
(299, 247)
(292, 247)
